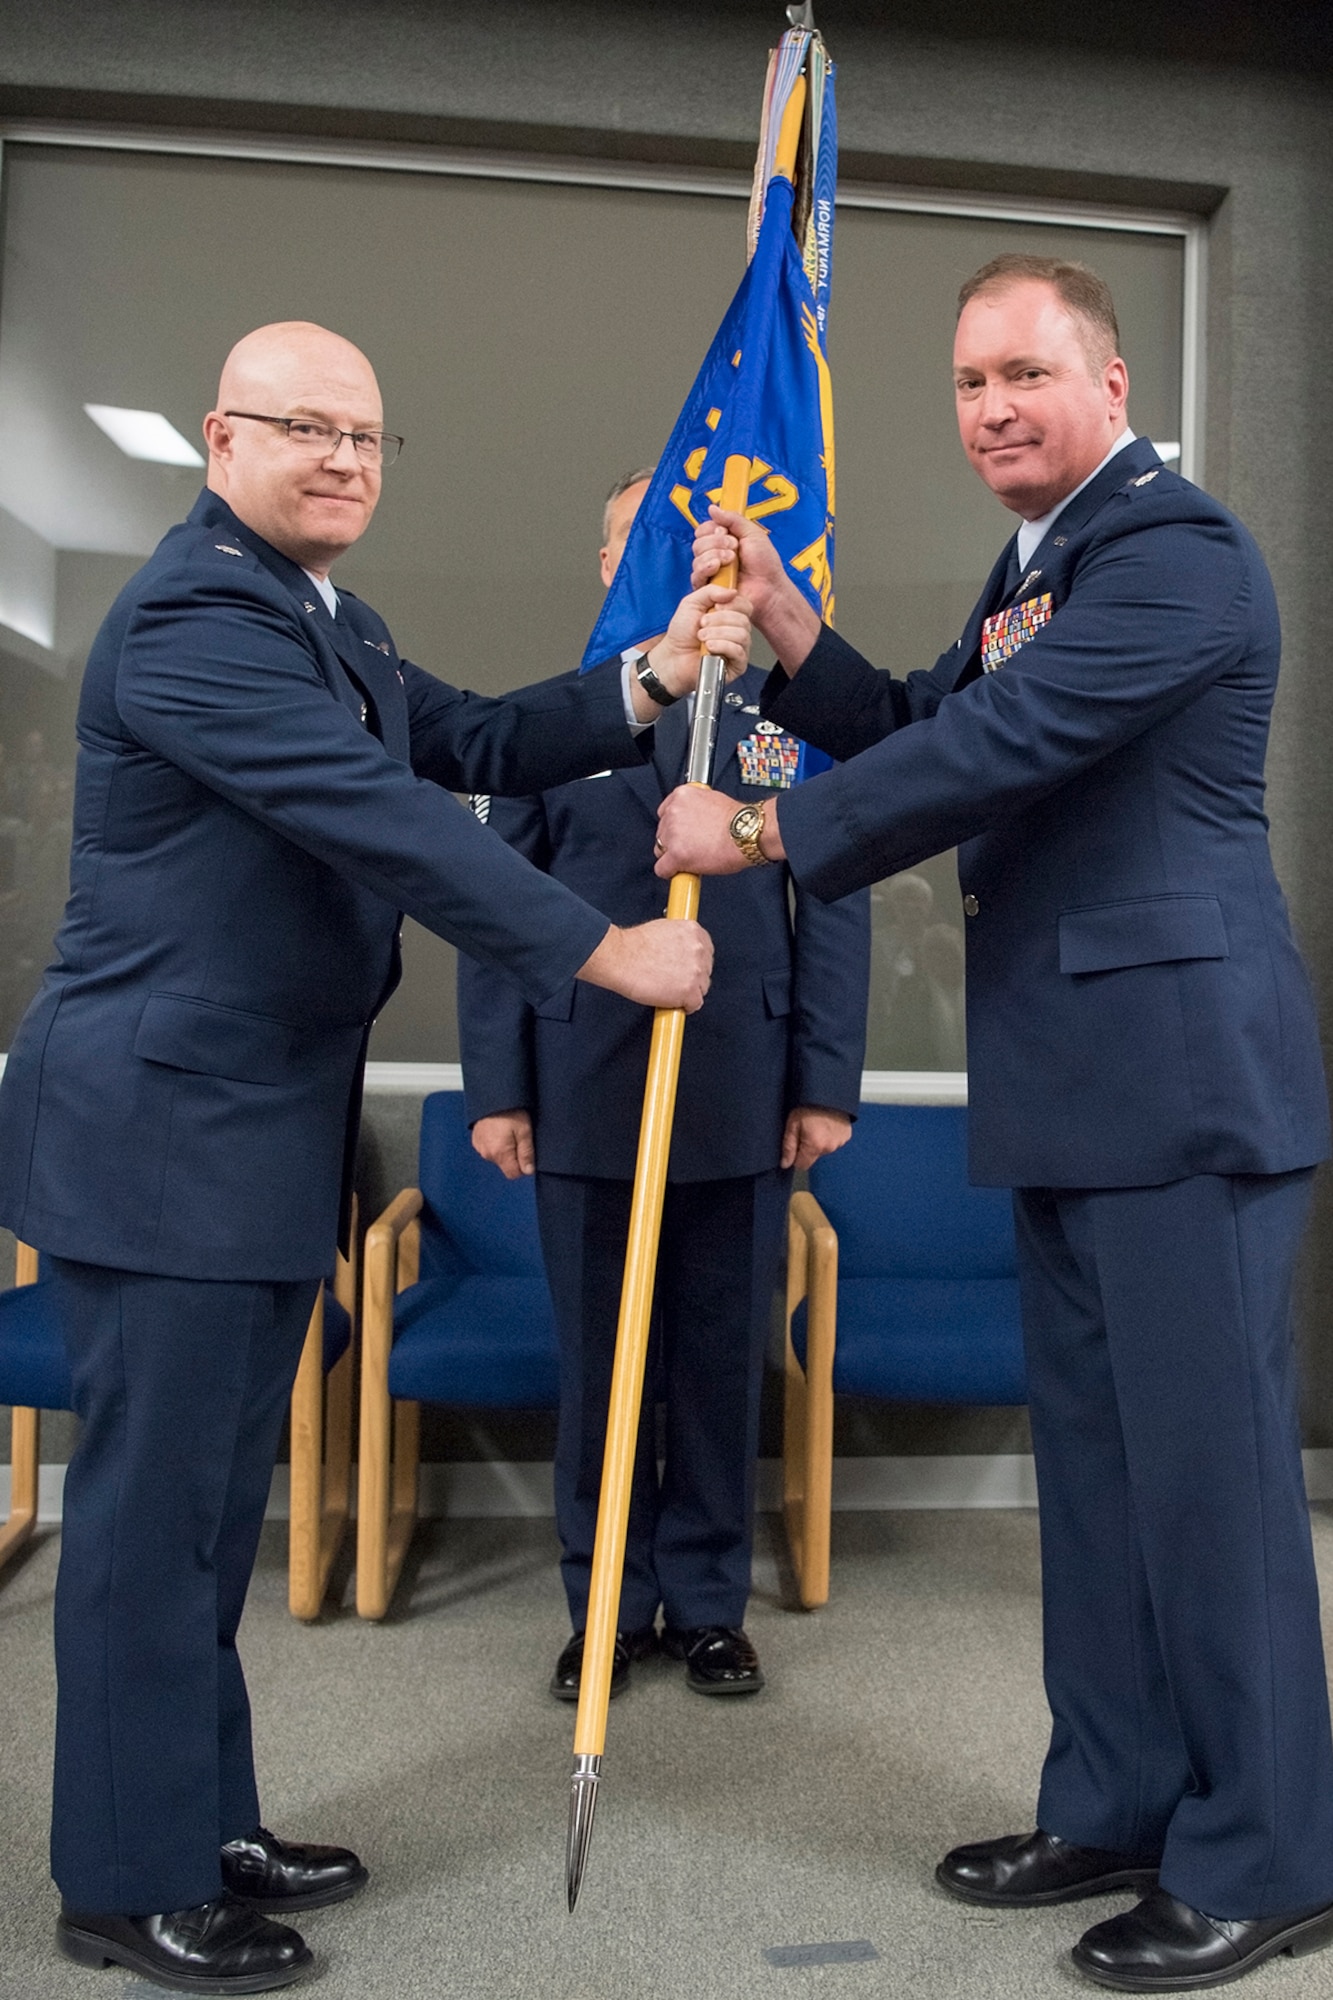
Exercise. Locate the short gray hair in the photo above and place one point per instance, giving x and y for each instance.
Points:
(635, 478)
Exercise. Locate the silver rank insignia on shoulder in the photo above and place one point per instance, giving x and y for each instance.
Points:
(1146, 477)
(363, 712)
(226, 549)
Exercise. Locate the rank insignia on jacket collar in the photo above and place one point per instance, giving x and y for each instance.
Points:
(1060, 541)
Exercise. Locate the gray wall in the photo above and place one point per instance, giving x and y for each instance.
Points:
(1229, 117)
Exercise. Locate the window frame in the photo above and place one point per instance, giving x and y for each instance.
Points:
(878, 1086)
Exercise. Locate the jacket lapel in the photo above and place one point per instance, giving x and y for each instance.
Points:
(1049, 556)
(367, 683)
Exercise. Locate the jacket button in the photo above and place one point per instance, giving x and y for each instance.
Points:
(970, 906)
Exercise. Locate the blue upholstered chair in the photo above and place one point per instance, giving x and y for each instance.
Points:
(901, 1283)
(455, 1309)
(34, 1376)
(321, 1439)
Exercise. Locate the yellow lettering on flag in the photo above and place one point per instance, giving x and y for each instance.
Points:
(815, 562)
(783, 492)
(810, 328)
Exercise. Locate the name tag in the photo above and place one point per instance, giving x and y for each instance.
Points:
(1006, 631)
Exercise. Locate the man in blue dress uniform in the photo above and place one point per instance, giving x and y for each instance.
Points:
(770, 1079)
(263, 784)
(1145, 1073)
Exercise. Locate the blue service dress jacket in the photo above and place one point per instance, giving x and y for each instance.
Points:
(784, 1021)
(1137, 1008)
(261, 790)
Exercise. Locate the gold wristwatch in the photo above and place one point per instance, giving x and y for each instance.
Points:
(746, 827)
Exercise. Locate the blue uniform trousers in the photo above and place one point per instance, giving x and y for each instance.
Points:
(1183, 1660)
(181, 1385)
(691, 1528)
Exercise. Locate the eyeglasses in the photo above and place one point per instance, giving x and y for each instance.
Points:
(315, 440)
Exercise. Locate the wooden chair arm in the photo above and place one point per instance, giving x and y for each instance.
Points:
(384, 1275)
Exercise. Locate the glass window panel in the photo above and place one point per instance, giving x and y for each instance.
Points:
(533, 342)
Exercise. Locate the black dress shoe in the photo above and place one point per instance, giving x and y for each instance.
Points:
(1025, 1869)
(630, 1646)
(275, 1874)
(1166, 1946)
(719, 1659)
(218, 1947)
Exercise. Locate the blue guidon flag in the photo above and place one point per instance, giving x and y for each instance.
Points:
(764, 389)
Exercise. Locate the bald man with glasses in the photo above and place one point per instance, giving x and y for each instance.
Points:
(263, 785)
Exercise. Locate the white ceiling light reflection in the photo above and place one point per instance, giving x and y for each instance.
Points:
(144, 434)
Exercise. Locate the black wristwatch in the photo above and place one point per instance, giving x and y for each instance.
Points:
(655, 689)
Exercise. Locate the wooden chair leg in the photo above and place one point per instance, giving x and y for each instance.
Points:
(305, 1583)
(387, 1478)
(24, 1445)
(23, 1474)
(821, 1338)
(406, 1463)
(336, 1495)
(794, 1400)
(336, 1511)
(807, 1454)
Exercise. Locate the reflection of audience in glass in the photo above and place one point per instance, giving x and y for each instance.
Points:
(36, 796)
(941, 960)
(916, 1007)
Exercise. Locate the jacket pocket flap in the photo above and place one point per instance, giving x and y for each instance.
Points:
(217, 1041)
(777, 994)
(559, 1007)
(1151, 931)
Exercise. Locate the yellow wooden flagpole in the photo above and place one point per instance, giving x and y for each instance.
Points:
(636, 1298)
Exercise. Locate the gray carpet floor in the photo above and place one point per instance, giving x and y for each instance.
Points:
(905, 1716)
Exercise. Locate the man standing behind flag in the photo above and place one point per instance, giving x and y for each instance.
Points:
(770, 1080)
(1145, 1074)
